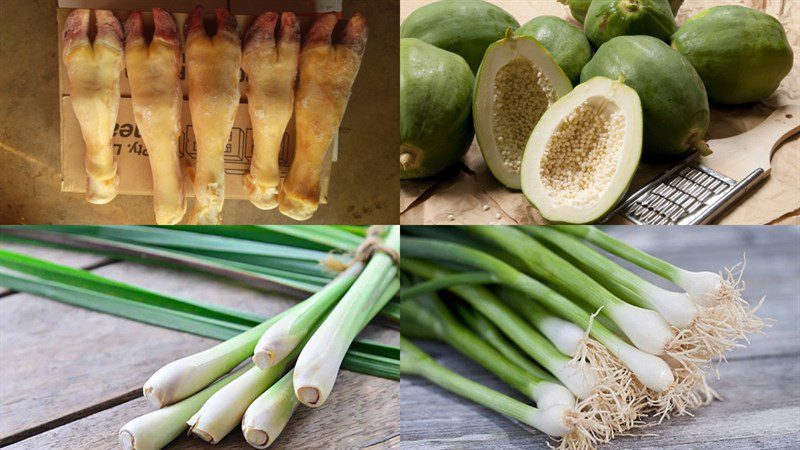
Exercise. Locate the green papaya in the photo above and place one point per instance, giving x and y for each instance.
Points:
(607, 19)
(577, 8)
(435, 109)
(741, 54)
(674, 101)
(566, 43)
(464, 27)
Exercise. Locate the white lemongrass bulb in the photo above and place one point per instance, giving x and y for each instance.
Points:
(650, 370)
(645, 328)
(182, 378)
(565, 335)
(578, 377)
(278, 342)
(268, 415)
(155, 430)
(550, 420)
(547, 394)
(702, 287)
(224, 410)
(285, 335)
(676, 308)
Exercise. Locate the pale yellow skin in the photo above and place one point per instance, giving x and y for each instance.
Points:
(154, 75)
(271, 74)
(93, 72)
(327, 73)
(212, 70)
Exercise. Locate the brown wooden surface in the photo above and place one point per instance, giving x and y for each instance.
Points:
(70, 378)
(760, 384)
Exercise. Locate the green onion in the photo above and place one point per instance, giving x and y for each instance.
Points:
(577, 377)
(484, 328)
(707, 332)
(704, 288)
(436, 284)
(268, 415)
(646, 329)
(554, 421)
(434, 313)
(650, 371)
(153, 431)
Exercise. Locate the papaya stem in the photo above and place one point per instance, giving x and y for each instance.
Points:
(406, 160)
(702, 147)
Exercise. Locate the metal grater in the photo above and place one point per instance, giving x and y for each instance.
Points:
(687, 194)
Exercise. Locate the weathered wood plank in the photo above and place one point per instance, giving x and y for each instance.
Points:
(761, 383)
(102, 359)
(361, 413)
(761, 410)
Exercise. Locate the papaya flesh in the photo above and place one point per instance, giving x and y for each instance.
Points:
(566, 43)
(741, 54)
(607, 19)
(674, 101)
(435, 109)
(464, 27)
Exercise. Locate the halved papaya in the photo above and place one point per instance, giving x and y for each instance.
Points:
(517, 81)
(581, 157)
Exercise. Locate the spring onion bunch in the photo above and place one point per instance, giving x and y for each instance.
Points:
(648, 348)
(605, 390)
(262, 397)
(413, 361)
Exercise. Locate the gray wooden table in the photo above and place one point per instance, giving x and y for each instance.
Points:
(70, 378)
(760, 384)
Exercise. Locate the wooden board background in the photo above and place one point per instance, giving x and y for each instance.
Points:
(70, 378)
(760, 384)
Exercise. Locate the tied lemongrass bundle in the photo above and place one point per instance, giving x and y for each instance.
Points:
(262, 397)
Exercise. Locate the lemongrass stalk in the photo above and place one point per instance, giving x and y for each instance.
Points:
(268, 415)
(553, 421)
(576, 376)
(430, 310)
(645, 328)
(707, 289)
(182, 378)
(155, 430)
(284, 335)
(649, 370)
(484, 328)
(315, 377)
(318, 364)
(223, 411)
